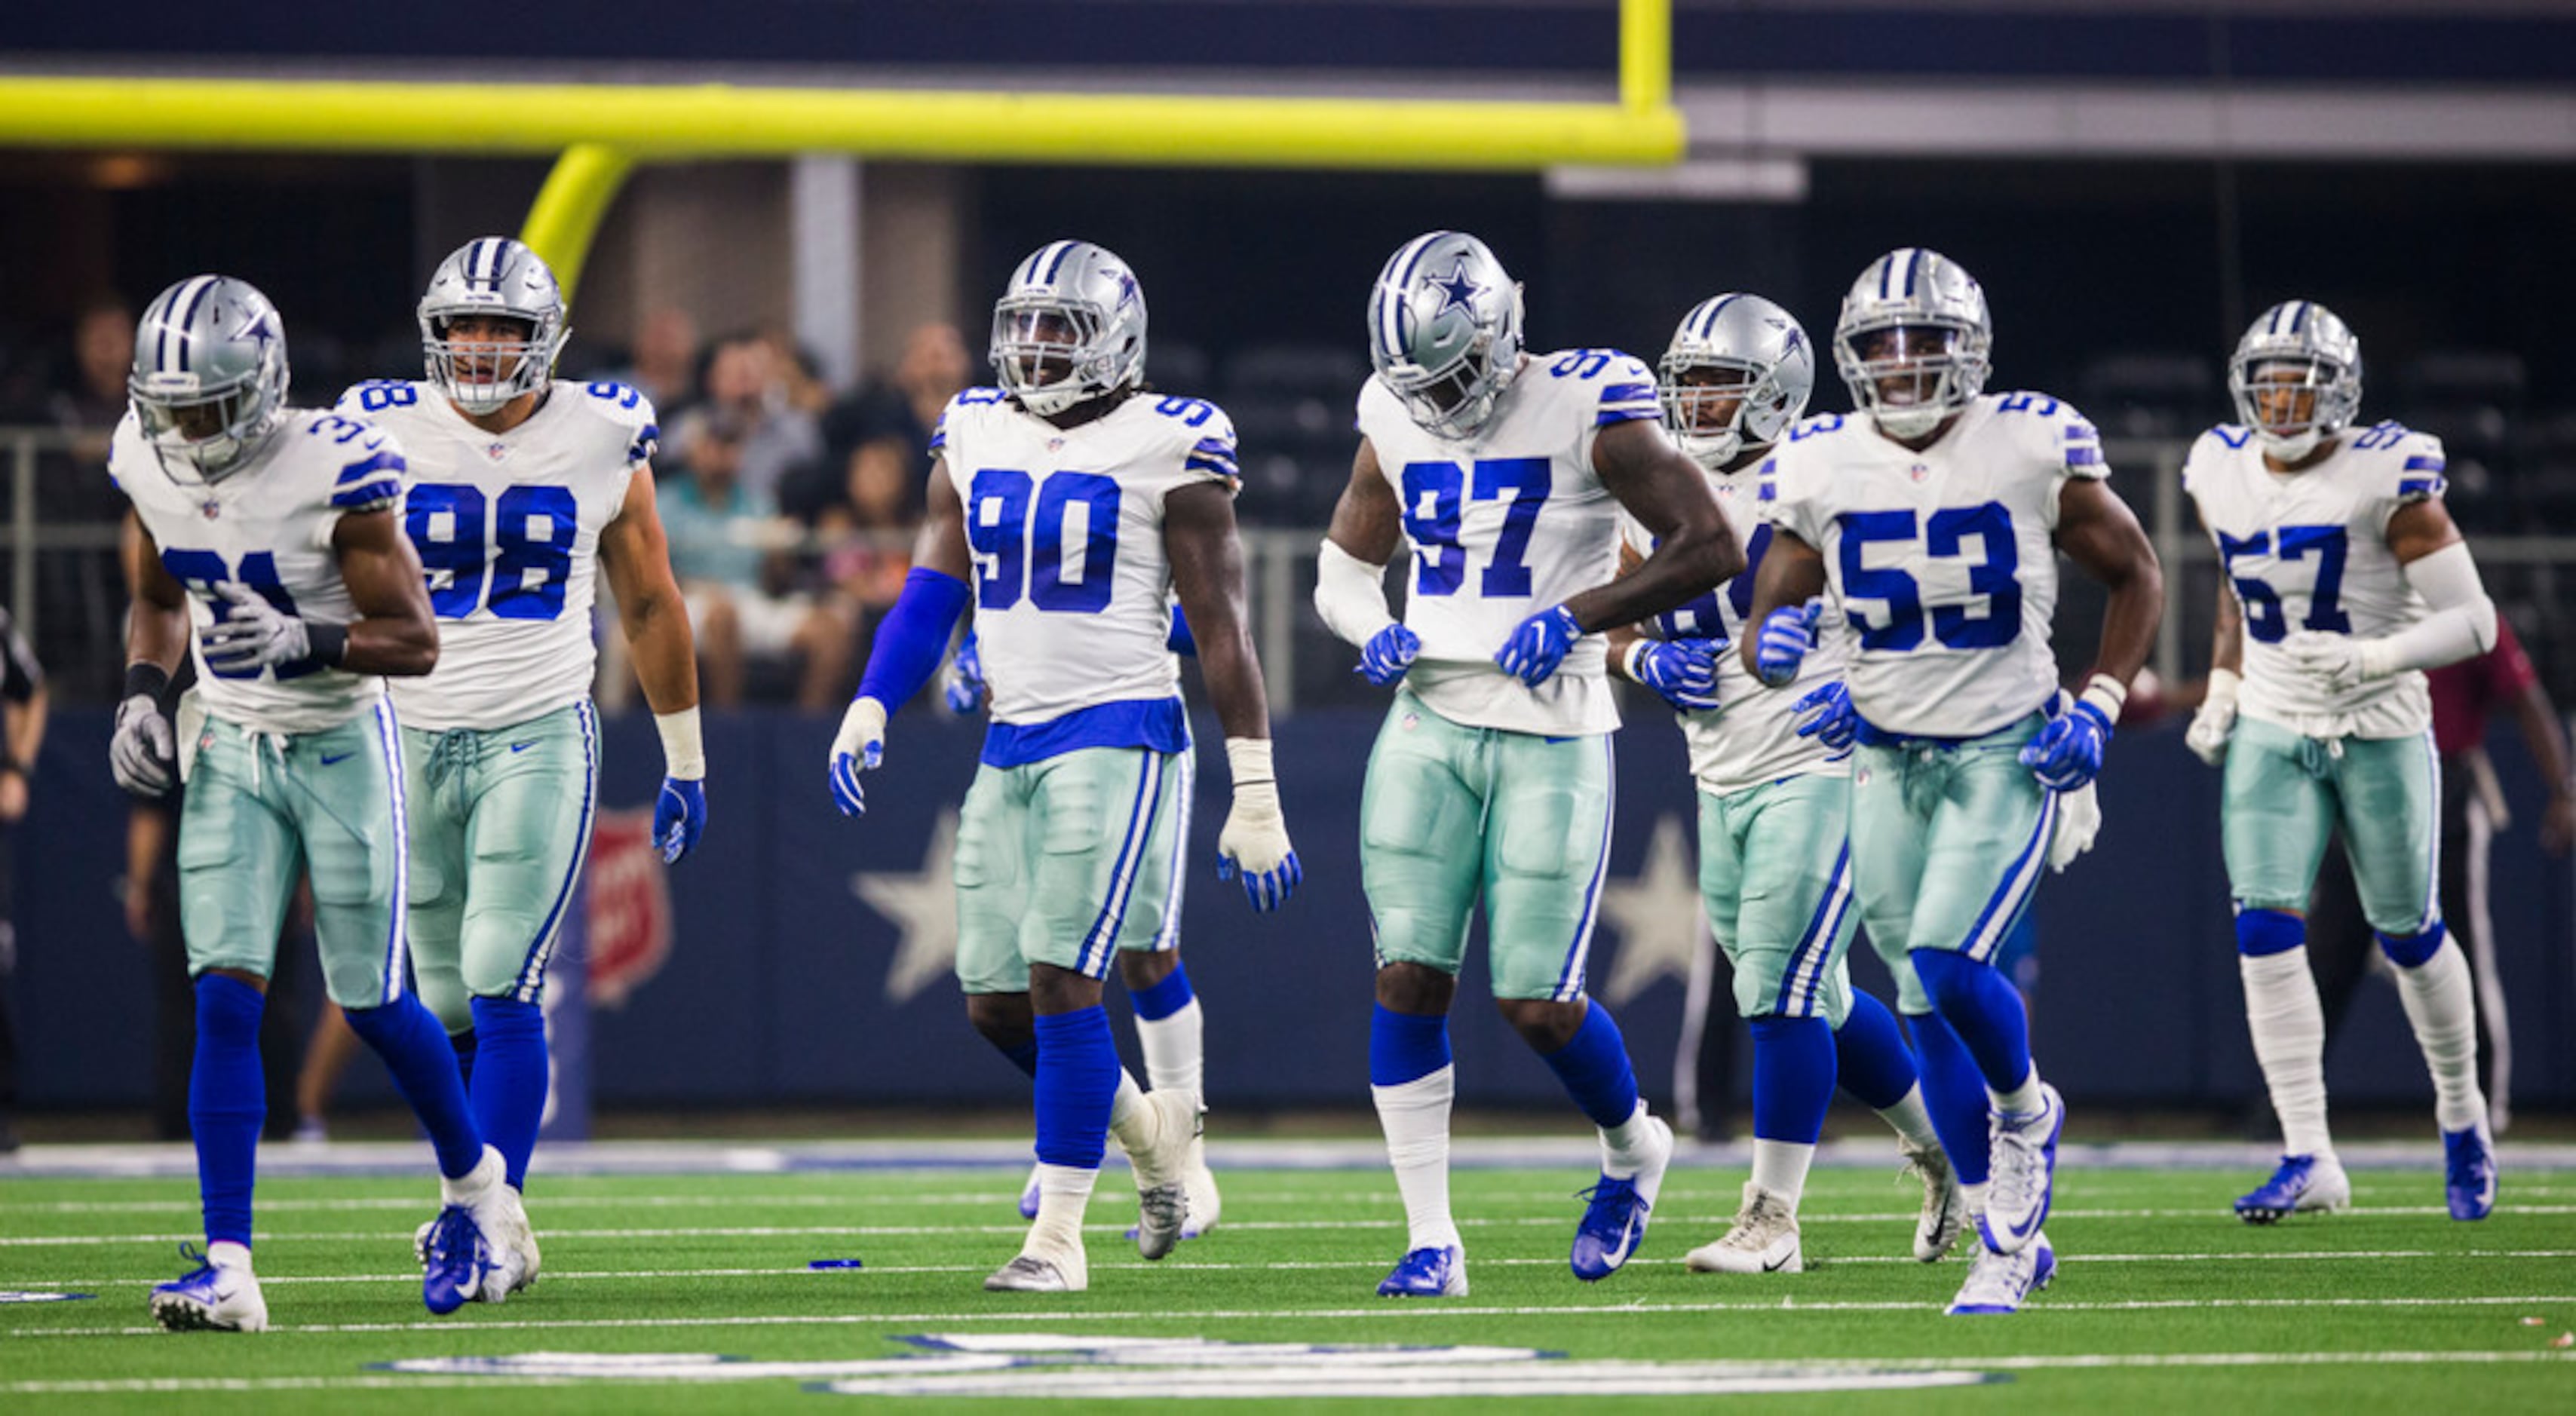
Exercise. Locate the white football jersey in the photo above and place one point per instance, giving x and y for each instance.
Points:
(267, 525)
(2309, 550)
(1941, 560)
(1073, 586)
(1505, 524)
(1751, 737)
(507, 526)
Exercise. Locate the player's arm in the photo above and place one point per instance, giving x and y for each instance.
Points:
(1792, 575)
(1682, 672)
(1695, 549)
(2099, 533)
(393, 633)
(2547, 737)
(2436, 562)
(910, 641)
(1207, 572)
(1350, 572)
(1625, 638)
(637, 557)
(143, 751)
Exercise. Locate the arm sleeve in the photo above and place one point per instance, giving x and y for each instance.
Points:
(1350, 594)
(2462, 624)
(913, 638)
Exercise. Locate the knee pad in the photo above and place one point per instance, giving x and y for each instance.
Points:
(2263, 932)
(2412, 951)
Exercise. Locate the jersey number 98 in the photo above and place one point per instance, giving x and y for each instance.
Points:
(519, 543)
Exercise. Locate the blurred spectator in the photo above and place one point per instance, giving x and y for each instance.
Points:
(22, 735)
(102, 358)
(666, 362)
(879, 443)
(77, 600)
(733, 555)
(746, 426)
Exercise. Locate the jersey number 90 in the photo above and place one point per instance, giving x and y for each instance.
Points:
(1021, 532)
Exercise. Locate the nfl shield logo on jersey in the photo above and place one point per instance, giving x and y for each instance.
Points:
(1919, 471)
(496, 450)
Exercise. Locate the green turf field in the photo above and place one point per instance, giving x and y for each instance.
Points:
(2164, 1301)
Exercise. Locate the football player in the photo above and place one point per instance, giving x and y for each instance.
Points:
(1774, 796)
(1503, 475)
(1079, 505)
(1171, 1028)
(267, 546)
(2348, 580)
(1934, 517)
(523, 487)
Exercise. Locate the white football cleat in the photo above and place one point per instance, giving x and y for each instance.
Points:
(2302, 1183)
(2024, 1173)
(1764, 1239)
(1158, 1139)
(1049, 1268)
(511, 1245)
(212, 1298)
(1999, 1282)
(1200, 1182)
(1945, 1205)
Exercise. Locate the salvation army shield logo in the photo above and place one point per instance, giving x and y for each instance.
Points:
(630, 906)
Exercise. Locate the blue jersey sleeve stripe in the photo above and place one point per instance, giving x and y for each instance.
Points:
(2422, 487)
(2425, 462)
(2084, 457)
(1626, 415)
(367, 494)
(1627, 392)
(384, 460)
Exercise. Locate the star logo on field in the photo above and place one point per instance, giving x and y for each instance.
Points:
(923, 906)
(1457, 292)
(1658, 917)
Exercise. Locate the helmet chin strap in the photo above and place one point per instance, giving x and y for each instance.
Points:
(2292, 446)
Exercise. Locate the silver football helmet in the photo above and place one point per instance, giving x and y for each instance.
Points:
(1070, 326)
(1445, 331)
(1914, 340)
(492, 275)
(1745, 350)
(209, 379)
(2296, 347)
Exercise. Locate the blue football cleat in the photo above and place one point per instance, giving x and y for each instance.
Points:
(1614, 1223)
(211, 1298)
(2304, 1182)
(2469, 1172)
(459, 1261)
(1428, 1273)
(1029, 1196)
(2024, 1173)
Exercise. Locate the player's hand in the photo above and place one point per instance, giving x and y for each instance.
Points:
(2215, 720)
(1540, 644)
(2338, 660)
(252, 635)
(1388, 654)
(1827, 715)
(963, 685)
(2067, 754)
(142, 752)
(2079, 820)
(1683, 672)
(679, 814)
(1787, 637)
(859, 745)
(1254, 845)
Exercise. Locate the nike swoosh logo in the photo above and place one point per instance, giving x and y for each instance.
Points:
(522, 746)
(1627, 1245)
(1776, 1265)
(331, 760)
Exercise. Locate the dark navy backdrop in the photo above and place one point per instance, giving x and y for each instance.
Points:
(778, 988)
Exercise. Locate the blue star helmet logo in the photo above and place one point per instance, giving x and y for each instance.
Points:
(1789, 344)
(259, 330)
(1126, 289)
(1457, 292)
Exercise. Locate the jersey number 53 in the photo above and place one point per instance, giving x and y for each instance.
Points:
(1948, 534)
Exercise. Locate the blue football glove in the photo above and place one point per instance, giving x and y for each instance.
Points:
(1388, 654)
(1540, 644)
(2068, 752)
(964, 687)
(1827, 716)
(1682, 671)
(859, 746)
(1787, 637)
(679, 815)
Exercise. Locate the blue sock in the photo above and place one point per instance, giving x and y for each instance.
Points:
(1594, 1068)
(1793, 1078)
(509, 1087)
(1077, 1080)
(1024, 1056)
(2412, 951)
(1166, 998)
(415, 1050)
(467, 1044)
(1954, 1094)
(227, 1102)
(1406, 1047)
(1984, 1009)
(2261, 932)
(1871, 1054)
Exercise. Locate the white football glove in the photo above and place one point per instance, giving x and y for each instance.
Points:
(142, 753)
(859, 746)
(2079, 820)
(1254, 843)
(2216, 719)
(2339, 660)
(253, 634)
